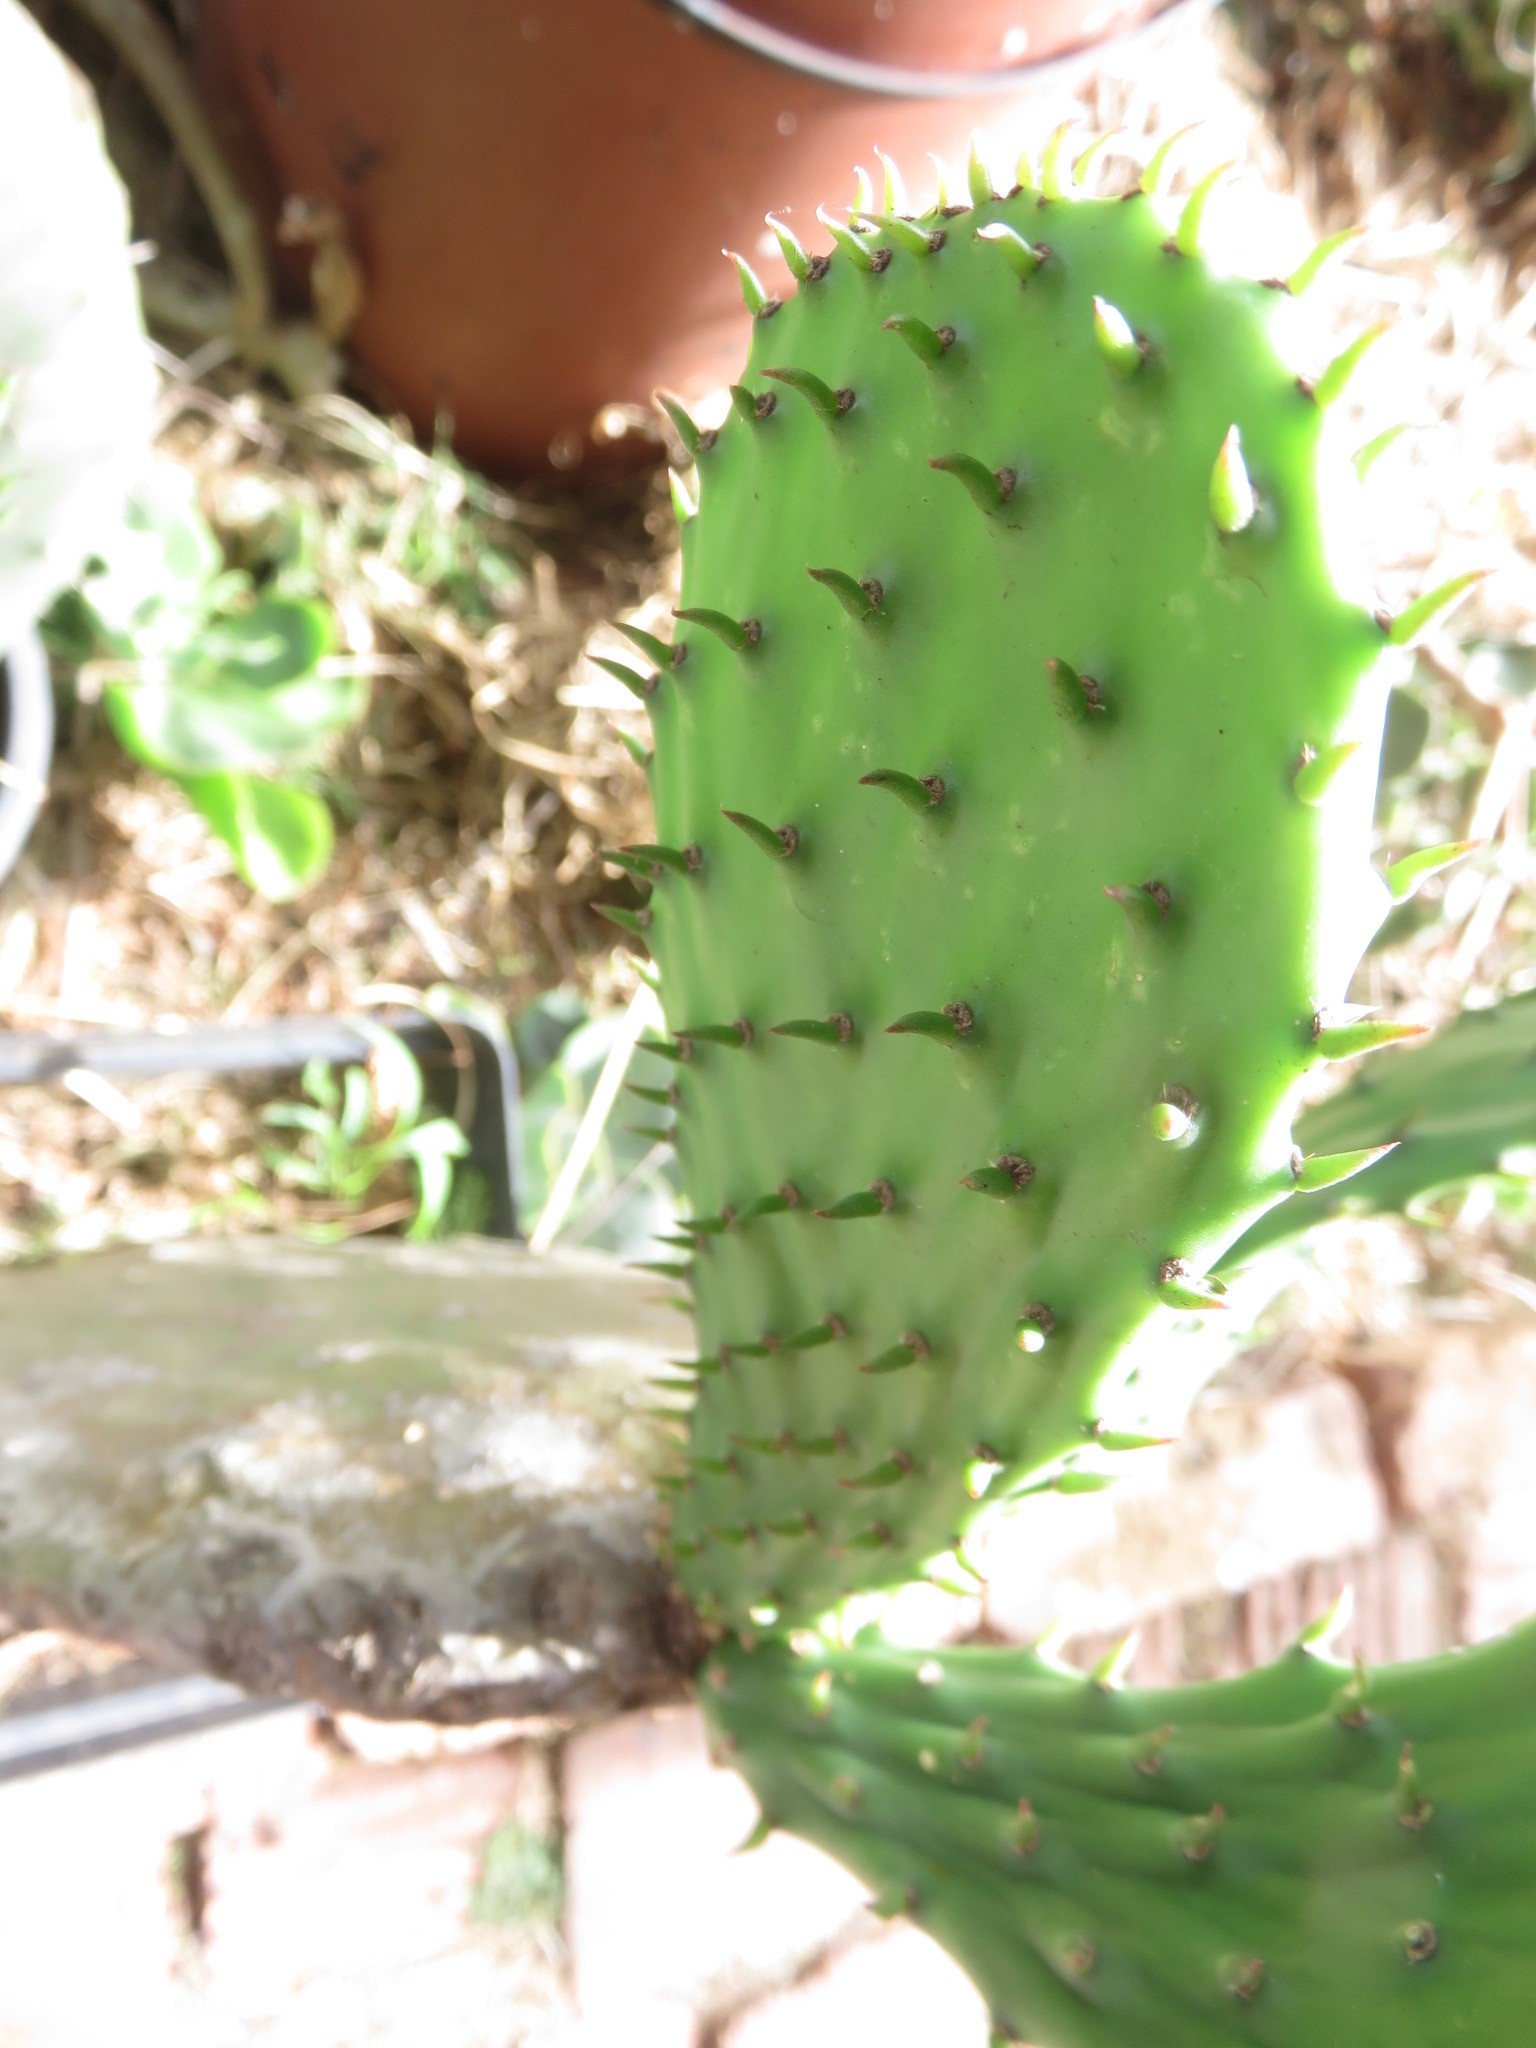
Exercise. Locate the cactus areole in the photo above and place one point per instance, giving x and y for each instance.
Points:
(1017, 745)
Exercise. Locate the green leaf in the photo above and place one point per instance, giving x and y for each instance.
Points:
(281, 837)
(245, 696)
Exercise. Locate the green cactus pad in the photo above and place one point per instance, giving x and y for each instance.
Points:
(1458, 1108)
(1098, 603)
(1308, 1857)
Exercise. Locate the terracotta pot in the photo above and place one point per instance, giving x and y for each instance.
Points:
(538, 190)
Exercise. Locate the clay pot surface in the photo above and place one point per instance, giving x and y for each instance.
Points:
(538, 190)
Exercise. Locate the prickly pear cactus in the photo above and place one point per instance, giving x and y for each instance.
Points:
(1307, 1857)
(1013, 771)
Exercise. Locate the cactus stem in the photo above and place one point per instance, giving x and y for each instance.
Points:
(1366, 1034)
(910, 1351)
(1405, 629)
(758, 302)
(861, 600)
(991, 489)
(1318, 767)
(1023, 257)
(1404, 876)
(1179, 1287)
(947, 1026)
(1147, 903)
(1232, 499)
(830, 404)
(918, 792)
(638, 685)
(777, 841)
(878, 1199)
(1185, 240)
(740, 635)
(834, 1030)
(1078, 698)
(1008, 1175)
(1118, 343)
(753, 406)
(928, 344)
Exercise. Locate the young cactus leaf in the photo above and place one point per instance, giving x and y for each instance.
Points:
(920, 793)
(693, 437)
(878, 1199)
(1021, 255)
(777, 841)
(1327, 388)
(1315, 774)
(740, 635)
(860, 600)
(1116, 340)
(651, 645)
(1425, 611)
(818, 394)
(1404, 876)
(834, 1030)
(802, 267)
(928, 344)
(1312, 266)
(758, 302)
(1327, 1171)
(956, 1021)
(1367, 1034)
(1186, 236)
(1233, 503)
(637, 685)
(989, 489)
(859, 254)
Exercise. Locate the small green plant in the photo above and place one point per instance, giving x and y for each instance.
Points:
(356, 1129)
(231, 688)
(520, 1883)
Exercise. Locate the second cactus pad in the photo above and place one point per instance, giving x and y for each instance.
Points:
(1012, 776)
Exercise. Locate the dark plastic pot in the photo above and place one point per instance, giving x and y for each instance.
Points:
(26, 745)
(539, 190)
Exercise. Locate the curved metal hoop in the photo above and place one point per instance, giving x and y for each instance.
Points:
(894, 81)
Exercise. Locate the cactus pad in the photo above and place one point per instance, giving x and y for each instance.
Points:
(1307, 1857)
(1014, 608)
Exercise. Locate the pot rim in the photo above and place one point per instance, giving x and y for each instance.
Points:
(893, 81)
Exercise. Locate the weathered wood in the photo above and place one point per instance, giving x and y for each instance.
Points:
(408, 1480)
